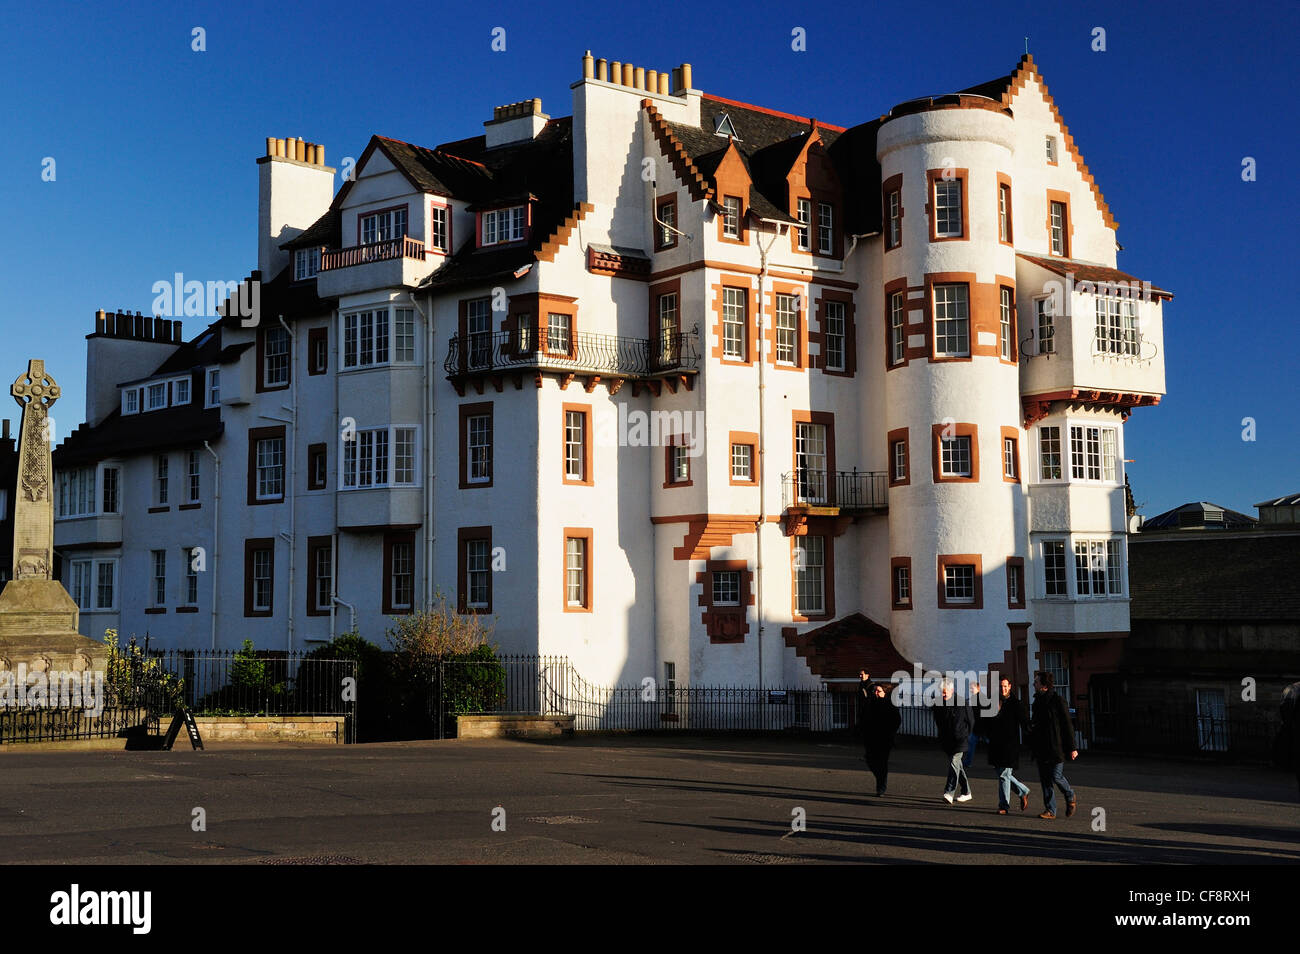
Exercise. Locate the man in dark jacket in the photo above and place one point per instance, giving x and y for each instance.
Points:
(881, 720)
(1004, 746)
(1051, 735)
(954, 722)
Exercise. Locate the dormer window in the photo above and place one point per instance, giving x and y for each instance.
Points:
(131, 401)
(724, 128)
(306, 264)
(501, 226)
(439, 229)
(156, 396)
(181, 391)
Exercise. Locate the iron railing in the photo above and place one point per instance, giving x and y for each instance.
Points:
(848, 490)
(139, 690)
(580, 352)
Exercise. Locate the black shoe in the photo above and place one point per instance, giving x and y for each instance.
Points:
(880, 791)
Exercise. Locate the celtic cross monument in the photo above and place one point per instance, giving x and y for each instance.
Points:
(38, 619)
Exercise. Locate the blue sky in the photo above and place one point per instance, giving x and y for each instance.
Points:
(154, 147)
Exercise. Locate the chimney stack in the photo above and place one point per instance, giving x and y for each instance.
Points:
(514, 122)
(659, 82)
(295, 188)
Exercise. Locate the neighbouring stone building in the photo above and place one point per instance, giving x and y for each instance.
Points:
(1215, 631)
(675, 386)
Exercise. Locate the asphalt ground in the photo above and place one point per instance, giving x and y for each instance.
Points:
(618, 800)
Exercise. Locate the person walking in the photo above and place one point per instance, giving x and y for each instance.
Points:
(1004, 746)
(1051, 735)
(954, 722)
(878, 730)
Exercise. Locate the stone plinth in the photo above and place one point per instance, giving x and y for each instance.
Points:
(38, 626)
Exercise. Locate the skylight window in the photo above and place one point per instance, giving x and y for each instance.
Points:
(724, 127)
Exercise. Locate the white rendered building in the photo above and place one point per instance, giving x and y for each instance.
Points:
(675, 386)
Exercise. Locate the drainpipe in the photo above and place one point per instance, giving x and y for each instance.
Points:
(430, 467)
(216, 536)
(762, 443)
(350, 607)
(291, 474)
(338, 471)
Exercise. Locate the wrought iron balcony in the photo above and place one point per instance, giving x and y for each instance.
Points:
(583, 352)
(402, 247)
(856, 491)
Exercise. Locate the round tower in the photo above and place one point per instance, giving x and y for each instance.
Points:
(956, 502)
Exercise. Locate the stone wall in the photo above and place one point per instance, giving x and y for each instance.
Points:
(326, 729)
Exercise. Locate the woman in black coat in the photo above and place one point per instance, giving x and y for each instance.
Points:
(1004, 746)
(879, 725)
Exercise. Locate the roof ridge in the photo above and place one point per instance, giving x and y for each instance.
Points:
(775, 112)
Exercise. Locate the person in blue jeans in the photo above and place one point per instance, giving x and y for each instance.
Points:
(954, 723)
(1051, 735)
(1004, 746)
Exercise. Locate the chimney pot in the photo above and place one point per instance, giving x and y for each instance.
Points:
(270, 145)
(663, 84)
(638, 77)
(629, 73)
(602, 70)
(677, 79)
(616, 72)
(5, 434)
(537, 106)
(320, 154)
(686, 76)
(300, 150)
(279, 148)
(588, 66)
(652, 80)
(290, 148)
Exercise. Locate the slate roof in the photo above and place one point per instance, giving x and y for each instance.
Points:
(541, 167)
(326, 231)
(282, 296)
(186, 426)
(1088, 272)
(769, 143)
(1238, 577)
(1201, 515)
(1287, 501)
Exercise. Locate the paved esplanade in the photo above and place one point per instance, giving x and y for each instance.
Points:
(639, 800)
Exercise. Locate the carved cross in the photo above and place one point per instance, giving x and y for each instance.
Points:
(35, 387)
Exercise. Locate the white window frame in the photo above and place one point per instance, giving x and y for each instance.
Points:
(161, 473)
(1117, 326)
(803, 208)
(1006, 309)
(104, 482)
(440, 228)
(364, 334)
(953, 451)
(383, 225)
(370, 459)
(306, 263)
(194, 482)
(504, 226)
(1099, 454)
(1051, 149)
(276, 375)
(263, 585)
(214, 387)
(155, 395)
(947, 208)
(478, 573)
(895, 202)
(575, 572)
(900, 460)
(97, 582)
(478, 449)
(725, 587)
(835, 332)
(1046, 322)
(786, 326)
(810, 575)
(902, 584)
(959, 586)
(825, 228)
(76, 493)
(1056, 227)
(735, 319)
(1049, 443)
(181, 391)
(575, 445)
(951, 320)
(897, 327)
(742, 463)
(190, 577)
(132, 400)
(1011, 458)
(731, 217)
(157, 578)
(267, 484)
